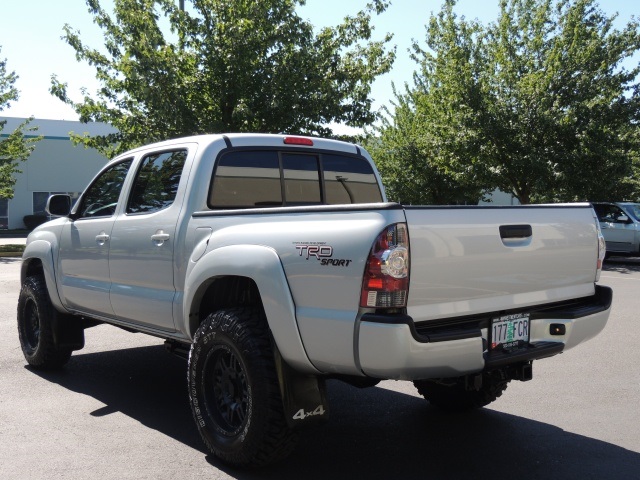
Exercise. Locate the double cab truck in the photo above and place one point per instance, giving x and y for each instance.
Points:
(273, 263)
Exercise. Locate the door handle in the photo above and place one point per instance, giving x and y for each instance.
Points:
(102, 238)
(160, 237)
(515, 231)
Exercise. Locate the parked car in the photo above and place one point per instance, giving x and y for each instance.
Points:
(620, 225)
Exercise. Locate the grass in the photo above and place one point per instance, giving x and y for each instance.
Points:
(11, 250)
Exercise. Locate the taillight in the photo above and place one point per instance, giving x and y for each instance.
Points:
(386, 276)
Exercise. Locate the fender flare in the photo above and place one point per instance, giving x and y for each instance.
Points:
(43, 250)
(261, 264)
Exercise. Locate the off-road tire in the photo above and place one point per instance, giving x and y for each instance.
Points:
(453, 396)
(234, 391)
(36, 317)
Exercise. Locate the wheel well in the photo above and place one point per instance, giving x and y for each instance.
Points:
(31, 268)
(223, 292)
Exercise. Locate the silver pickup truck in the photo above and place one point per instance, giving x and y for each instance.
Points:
(274, 262)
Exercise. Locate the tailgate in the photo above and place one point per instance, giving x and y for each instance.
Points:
(472, 260)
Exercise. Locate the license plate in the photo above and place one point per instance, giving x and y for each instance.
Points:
(509, 331)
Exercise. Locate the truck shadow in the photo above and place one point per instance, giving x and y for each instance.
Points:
(372, 434)
(624, 265)
(10, 260)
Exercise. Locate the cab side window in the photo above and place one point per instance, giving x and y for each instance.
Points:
(610, 213)
(156, 183)
(101, 198)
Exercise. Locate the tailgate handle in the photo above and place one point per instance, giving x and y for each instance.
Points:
(515, 231)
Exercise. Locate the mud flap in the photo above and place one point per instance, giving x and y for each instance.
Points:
(68, 332)
(304, 397)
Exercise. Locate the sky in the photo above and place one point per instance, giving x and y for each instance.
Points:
(31, 30)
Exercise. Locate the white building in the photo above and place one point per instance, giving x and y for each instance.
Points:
(55, 166)
(498, 197)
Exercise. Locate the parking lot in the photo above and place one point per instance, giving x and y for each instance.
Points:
(119, 410)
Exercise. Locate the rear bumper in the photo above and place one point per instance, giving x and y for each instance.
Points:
(394, 347)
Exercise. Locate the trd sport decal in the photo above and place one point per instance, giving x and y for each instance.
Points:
(321, 252)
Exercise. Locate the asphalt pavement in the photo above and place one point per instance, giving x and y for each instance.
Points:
(119, 410)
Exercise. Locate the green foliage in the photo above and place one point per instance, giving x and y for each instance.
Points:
(225, 66)
(631, 184)
(561, 108)
(427, 147)
(11, 250)
(537, 104)
(14, 146)
(35, 220)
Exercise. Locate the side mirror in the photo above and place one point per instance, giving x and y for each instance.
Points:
(622, 219)
(59, 205)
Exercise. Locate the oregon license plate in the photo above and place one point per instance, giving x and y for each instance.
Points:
(509, 331)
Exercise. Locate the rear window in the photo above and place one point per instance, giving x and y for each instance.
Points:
(301, 179)
(270, 178)
(246, 179)
(349, 180)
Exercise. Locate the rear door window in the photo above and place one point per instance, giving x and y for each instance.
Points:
(156, 182)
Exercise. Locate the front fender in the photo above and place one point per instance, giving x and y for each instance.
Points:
(261, 264)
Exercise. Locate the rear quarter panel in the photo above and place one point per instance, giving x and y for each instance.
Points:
(323, 252)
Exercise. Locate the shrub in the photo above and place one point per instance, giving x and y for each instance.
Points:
(32, 221)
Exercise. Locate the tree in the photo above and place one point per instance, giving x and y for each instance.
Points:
(537, 104)
(14, 147)
(561, 108)
(632, 183)
(426, 149)
(230, 66)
